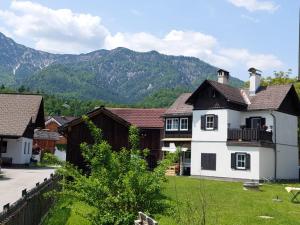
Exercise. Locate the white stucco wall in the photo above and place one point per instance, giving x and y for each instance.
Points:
(210, 135)
(15, 150)
(262, 159)
(266, 163)
(287, 162)
(223, 160)
(233, 118)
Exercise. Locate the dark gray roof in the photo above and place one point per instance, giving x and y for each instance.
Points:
(179, 107)
(16, 112)
(231, 93)
(46, 135)
(61, 119)
(269, 97)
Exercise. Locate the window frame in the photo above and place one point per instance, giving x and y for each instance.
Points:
(3, 147)
(28, 148)
(244, 161)
(25, 147)
(187, 124)
(210, 122)
(172, 126)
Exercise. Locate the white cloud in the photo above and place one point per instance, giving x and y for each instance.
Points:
(64, 31)
(50, 28)
(189, 43)
(260, 61)
(255, 5)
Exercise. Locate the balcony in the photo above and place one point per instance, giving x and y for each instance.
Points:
(249, 137)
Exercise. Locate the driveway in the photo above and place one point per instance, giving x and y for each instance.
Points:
(15, 180)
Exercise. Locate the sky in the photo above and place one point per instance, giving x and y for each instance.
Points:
(231, 34)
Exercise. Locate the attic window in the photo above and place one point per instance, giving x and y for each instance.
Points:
(213, 94)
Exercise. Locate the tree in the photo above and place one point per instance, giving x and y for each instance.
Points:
(119, 184)
(21, 89)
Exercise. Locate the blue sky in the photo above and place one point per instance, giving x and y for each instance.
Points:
(232, 34)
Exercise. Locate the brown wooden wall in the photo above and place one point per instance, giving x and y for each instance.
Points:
(151, 139)
(52, 126)
(114, 132)
(45, 145)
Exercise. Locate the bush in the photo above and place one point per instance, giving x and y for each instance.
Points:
(119, 184)
(50, 159)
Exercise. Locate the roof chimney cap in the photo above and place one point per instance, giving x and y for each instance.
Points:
(222, 72)
(223, 76)
(254, 71)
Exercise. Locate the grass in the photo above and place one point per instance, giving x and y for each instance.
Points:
(227, 204)
(66, 213)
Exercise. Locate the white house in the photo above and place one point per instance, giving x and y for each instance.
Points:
(244, 134)
(20, 114)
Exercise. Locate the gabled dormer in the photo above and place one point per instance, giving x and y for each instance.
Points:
(215, 95)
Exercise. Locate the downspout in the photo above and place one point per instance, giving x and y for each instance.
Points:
(1, 143)
(275, 146)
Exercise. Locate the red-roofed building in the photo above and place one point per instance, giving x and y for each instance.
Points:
(115, 123)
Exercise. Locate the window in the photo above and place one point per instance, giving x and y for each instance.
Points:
(241, 161)
(172, 124)
(28, 149)
(25, 146)
(184, 124)
(208, 161)
(4, 147)
(209, 123)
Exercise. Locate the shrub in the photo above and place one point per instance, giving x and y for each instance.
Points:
(50, 159)
(119, 184)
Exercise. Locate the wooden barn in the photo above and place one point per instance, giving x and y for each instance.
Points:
(115, 123)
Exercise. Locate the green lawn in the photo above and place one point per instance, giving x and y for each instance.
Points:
(227, 204)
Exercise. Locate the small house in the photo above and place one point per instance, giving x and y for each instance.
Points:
(20, 114)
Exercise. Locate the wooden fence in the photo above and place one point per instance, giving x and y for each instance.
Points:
(32, 207)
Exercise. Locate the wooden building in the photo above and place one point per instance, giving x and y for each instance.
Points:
(54, 122)
(115, 123)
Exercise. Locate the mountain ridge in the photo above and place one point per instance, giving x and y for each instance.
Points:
(119, 75)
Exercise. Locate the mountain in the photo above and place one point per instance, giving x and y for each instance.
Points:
(119, 75)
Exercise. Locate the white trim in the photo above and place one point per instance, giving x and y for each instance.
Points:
(172, 129)
(206, 122)
(177, 139)
(52, 120)
(242, 161)
(187, 124)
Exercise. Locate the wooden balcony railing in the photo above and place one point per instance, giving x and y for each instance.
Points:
(249, 135)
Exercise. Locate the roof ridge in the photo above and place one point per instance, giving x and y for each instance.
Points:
(24, 94)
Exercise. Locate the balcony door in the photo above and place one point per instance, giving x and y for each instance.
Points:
(255, 122)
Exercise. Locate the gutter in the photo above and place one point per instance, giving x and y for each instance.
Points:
(275, 145)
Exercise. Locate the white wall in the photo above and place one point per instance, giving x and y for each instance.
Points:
(266, 163)
(287, 162)
(223, 160)
(15, 150)
(262, 159)
(287, 127)
(60, 154)
(233, 118)
(210, 135)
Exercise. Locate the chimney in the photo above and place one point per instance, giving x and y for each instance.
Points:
(223, 76)
(254, 80)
